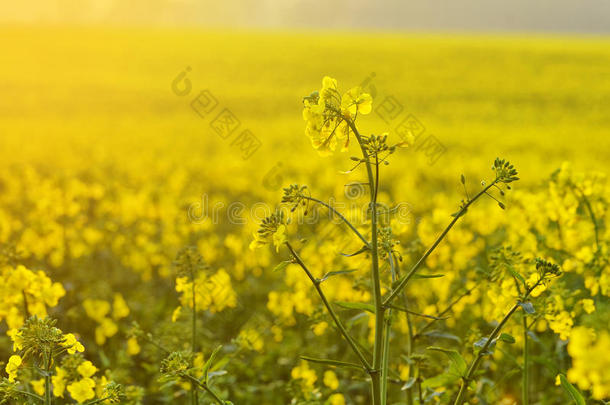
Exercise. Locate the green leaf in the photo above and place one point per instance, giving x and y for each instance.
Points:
(410, 382)
(402, 309)
(428, 275)
(528, 307)
(208, 364)
(357, 305)
(442, 335)
(439, 381)
(458, 364)
(356, 253)
(334, 363)
(282, 265)
(570, 389)
(416, 275)
(335, 273)
(517, 276)
(480, 344)
(505, 337)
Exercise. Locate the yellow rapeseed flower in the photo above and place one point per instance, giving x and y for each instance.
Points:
(82, 390)
(72, 344)
(331, 380)
(133, 347)
(336, 399)
(86, 369)
(38, 386)
(119, 307)
(59, 382)
(355, 101)
(12, 366)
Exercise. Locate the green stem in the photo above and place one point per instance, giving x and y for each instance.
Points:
(524, 383)
(385, 366)
(410, 348)
(337, 213)
(461, 397)
(331, 311)
(475, 364)
(31, 395)
(205, 387)
(194, 393)
(47, 379)
(385, 371)
(590, 210)
(410, 341)
(403, 282)
(149, 338)
(379, 308)
(442, 313)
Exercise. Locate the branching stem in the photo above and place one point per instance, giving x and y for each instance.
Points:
(403, 282)
(337, 213)
(329, 308)
(483, 351)
(204, 387)
(379, 308)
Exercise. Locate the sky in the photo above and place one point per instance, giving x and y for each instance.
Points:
(546, 16)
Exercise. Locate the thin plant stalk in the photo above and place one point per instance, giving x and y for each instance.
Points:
(316, 282)
(31, 395)
(461, 397)
(386, 358)
(205, 387)
(524, 381)
(379, 308)
(386, 342)
(338, 214)
(410, 348)
(194, 393)
(47, 379)
(442, 313)
(403, 282)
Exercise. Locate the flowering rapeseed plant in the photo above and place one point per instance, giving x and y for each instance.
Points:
(331, 118)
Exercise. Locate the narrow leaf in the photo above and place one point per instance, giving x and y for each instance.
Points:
(571, 390)
(428, 275)
(442, 335)
(458, 364)
(357, 305)
(408, 384)
(528, 307)
(361, 250)
(281, 265)
(439, 381)
(335, 273)
(335, 363)
(208, 364)
(399, 308)
(505, 337)
(480, 344)
(517, 276)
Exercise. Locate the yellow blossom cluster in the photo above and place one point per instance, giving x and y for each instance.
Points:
(24, 292)
(213, 292)
(100, 312)
(590, 361)
(76, 376)
(328, 113)
(307, 378)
